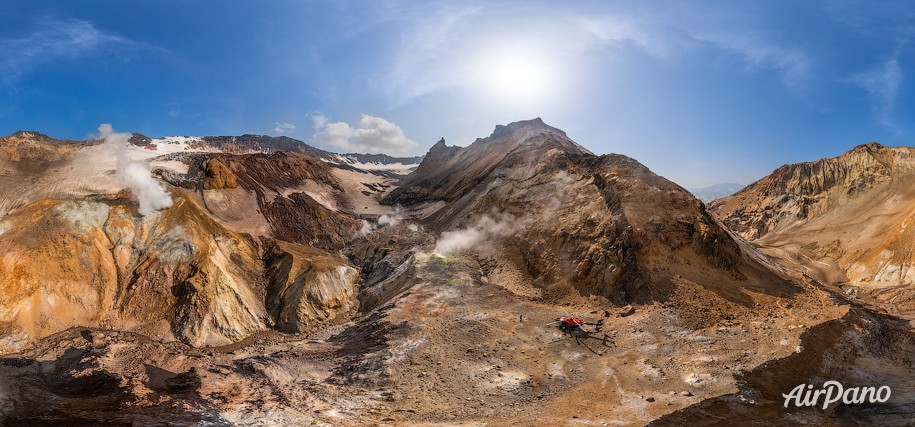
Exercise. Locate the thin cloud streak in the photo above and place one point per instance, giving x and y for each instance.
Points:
(54, 39)
(882, 85)
(281, 128)
(792, 63)
(437, 53)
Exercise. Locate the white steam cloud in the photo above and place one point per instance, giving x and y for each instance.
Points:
(389, 219)
(393, 218)
(366, 229)
(485, 230)
(134, 174)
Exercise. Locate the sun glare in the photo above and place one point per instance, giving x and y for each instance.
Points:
(514, 75)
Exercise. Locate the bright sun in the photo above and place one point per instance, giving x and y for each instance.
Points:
(514, 75)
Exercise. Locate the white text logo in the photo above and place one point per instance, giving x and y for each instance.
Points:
(834, 392)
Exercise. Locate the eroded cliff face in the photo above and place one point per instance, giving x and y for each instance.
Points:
(307, 286)
(174, 274)
(797, 192)
(848, 218)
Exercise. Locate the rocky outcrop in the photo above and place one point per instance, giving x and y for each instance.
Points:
(447, 173)
(385, 259)
(218, 176)
(141, 140)
(306, 286)
(284, 187)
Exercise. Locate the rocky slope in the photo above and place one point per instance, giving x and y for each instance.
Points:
(277, 290)
(77, 253)
(297, 197)
(570, 220)
(795, 193)
(25, 146)
(175, 274)
(843, 220)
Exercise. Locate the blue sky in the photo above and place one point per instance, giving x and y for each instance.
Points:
(700, 92)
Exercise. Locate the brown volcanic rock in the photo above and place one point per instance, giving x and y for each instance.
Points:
(218, 176)
(307, 286)
(386, 259)
(845, 219)
(263, 172)
(33, 146)
(794, 193)
(177, 273)
(282, 185)
(299, 218)
(446, 173)
(597, 225)
(174, 274)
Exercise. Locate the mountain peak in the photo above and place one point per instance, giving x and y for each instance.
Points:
(29, 134)
(535, 123)
(870, 146)
(440, 145)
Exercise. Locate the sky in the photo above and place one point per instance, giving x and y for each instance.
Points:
(700, 92)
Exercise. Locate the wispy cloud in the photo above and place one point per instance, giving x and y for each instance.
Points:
(54, 39)
(882, 84)
(372, 134)
(791, 63)
(280, 128)
(318, 119)
(440, 52)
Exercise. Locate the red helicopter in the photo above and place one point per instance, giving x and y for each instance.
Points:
(575, 326)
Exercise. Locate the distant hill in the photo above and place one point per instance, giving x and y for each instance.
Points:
(717, 191)
(381, 164)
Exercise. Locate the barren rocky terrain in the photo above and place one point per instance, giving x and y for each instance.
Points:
(843, 221)
(281, 288)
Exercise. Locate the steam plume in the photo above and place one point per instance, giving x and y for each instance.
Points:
(481, 233)
(393, 218)
(134, 174)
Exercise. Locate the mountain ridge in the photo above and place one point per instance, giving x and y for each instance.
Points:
(378, 162)
(845, 219)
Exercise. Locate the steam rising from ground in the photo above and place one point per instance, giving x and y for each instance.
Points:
(366, 229)
(484, 231)
(134, 174)
(391, 219)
